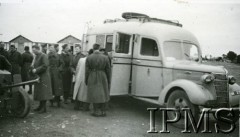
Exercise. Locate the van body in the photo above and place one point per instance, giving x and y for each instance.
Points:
(152, 60)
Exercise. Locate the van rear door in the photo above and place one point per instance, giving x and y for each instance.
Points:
(122, 59)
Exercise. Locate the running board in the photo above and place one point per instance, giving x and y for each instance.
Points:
(153, 101)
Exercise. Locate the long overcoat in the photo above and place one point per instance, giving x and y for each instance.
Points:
(4, 53)
(66, 72)
(42, 90)
(97, 77)
(54, 69)
(27, 59)
(4, 64)
(80, 88)
(15, 58)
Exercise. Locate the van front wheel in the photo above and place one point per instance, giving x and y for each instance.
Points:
(178, 99)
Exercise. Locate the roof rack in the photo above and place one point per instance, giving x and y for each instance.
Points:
(133, 15)
(146, 18)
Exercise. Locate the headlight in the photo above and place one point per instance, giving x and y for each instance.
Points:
(231, 80)
(207, 78)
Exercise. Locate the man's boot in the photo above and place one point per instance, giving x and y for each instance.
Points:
(76, 105)
(39, 106)
(43, 108)
(58, 101)
(85, 106)
(96, 110)
(103, 109)
(51, 102)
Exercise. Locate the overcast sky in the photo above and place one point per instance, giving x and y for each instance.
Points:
(216, 23)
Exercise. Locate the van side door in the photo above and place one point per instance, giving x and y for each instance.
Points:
(147, 72)
(122, 56)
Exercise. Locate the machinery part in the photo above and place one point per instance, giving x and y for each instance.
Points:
(23, 104)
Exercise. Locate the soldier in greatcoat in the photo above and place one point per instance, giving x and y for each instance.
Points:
(27, 59)
(56, 78)
(15, 58)
(97, 78)
(66, 72)
(43, 89)
(44, 48)
(4, 64)
(3, 52)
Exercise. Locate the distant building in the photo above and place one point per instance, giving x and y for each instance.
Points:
(71, 41)
(41, 44)
(20, 42)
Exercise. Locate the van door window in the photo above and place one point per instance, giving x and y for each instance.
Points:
(100, 40)
(149, 47)
(122, 43)
(109, 42)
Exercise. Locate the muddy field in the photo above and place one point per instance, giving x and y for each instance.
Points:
(126, 117)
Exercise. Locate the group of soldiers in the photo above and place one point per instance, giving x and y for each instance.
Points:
(84, 80)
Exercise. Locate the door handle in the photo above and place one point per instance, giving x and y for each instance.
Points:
(115, 59)
(138, 61)
(188, 72)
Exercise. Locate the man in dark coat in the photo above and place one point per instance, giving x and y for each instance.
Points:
(3, 52)
(66, 72)
(43, 89)
(76, 58)
(27, 59)
(4, 64)
(44, 48)
(97, 78)
(15, 58)
(56, 78)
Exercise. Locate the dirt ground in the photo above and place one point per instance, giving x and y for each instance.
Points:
(126, 117)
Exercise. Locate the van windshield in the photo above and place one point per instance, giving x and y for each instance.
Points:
(175, 50)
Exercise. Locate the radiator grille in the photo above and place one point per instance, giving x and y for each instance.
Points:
(221, 87)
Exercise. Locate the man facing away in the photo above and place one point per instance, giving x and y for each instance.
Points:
(97, 78)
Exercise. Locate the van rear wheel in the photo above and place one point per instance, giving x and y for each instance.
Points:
(178, 99)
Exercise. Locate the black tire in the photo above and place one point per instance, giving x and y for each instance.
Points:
(24, 105)
(178, 99)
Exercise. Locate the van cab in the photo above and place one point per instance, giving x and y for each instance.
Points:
(158, 61)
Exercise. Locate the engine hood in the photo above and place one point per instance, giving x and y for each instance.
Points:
(195, 66)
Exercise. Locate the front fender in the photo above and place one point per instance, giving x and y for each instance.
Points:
(234, 94)
(197, 94)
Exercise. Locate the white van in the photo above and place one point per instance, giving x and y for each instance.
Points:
(158, 61)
